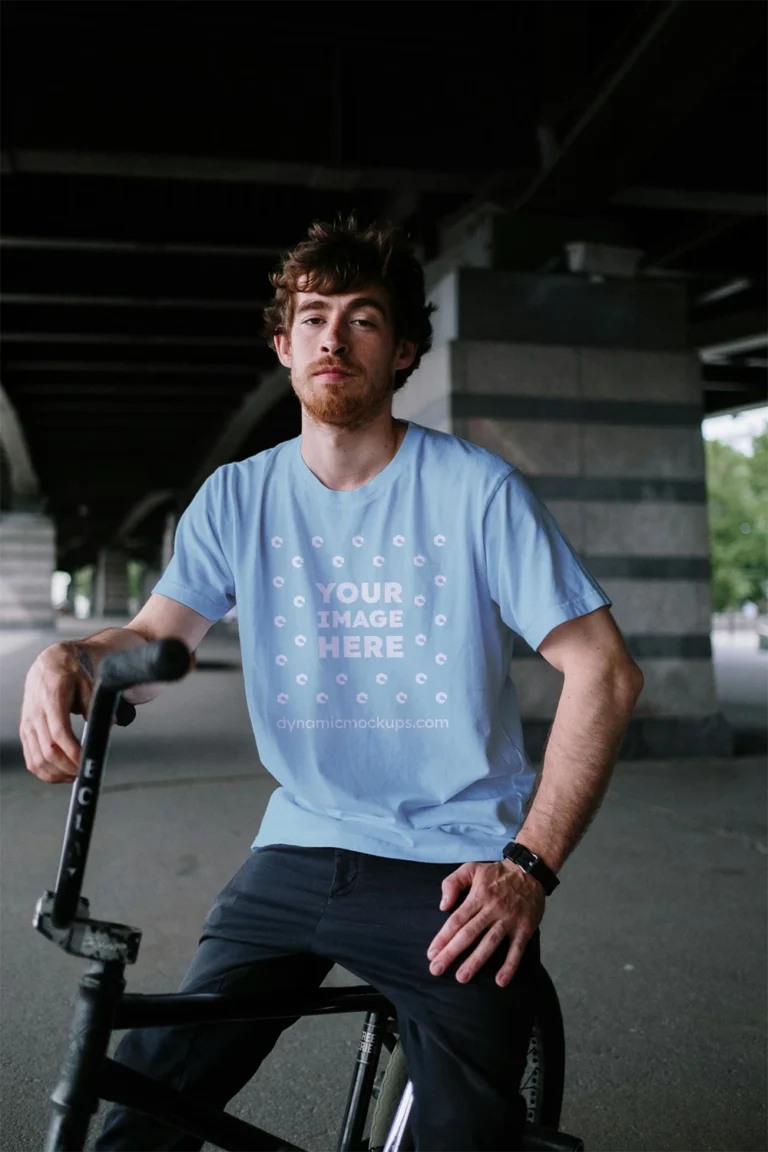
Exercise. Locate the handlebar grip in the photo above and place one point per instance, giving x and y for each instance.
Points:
(162, 660)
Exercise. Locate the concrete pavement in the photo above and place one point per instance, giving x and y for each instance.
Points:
(656, 937)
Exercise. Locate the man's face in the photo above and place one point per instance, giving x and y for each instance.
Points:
(343, 355)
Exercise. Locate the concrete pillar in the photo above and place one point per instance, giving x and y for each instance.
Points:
(6, 481)
(149, 578)
(589, 388)
(27, 563)
(110, 584)
(169, 533)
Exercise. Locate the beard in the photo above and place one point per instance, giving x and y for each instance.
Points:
(350, 403)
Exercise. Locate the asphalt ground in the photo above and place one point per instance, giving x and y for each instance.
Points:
(656, 937)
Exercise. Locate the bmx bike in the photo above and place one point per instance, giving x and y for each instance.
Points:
(88, 1075)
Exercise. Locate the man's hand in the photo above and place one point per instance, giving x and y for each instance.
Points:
(503, 903)
(57, 685)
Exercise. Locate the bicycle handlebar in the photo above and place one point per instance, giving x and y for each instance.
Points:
(151, 663)
(162, 660)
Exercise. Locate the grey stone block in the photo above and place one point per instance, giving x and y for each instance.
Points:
(658, 377)
(664, 607)
(493, 368)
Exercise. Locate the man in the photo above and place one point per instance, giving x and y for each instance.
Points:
(380, 570)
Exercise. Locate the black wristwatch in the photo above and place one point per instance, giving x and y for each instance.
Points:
(532, 863)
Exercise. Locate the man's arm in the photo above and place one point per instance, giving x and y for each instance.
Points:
(161, 618)
(600, 690)
(60, 682)
(602, 684)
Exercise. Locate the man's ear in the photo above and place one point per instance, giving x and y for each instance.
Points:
(406, 354)
(283, 349)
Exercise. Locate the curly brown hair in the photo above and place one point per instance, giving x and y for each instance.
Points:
(338, 258)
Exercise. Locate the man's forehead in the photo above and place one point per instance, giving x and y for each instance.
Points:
(372, 295)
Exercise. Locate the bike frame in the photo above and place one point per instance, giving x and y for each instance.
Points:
(102, 1006)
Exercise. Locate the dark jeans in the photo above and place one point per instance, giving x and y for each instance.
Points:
(282, 922)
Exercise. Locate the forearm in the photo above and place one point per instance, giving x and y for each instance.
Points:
(589, 725)
(91, 650)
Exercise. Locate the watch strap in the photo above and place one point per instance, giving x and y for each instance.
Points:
(532, 863)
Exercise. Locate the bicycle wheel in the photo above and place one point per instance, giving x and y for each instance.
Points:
(541, 1084)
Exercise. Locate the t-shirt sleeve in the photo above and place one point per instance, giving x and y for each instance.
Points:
(535, 576)
(199, 574)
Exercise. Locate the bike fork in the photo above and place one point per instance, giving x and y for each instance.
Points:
(76, 1098)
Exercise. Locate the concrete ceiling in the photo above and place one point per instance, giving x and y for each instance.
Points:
(157, 158)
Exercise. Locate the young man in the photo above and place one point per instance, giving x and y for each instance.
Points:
(380, 570)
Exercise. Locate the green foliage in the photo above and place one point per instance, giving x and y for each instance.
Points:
(136, 570)
(82, 582)
(738, 522)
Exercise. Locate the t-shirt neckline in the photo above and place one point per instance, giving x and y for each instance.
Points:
(354, 496)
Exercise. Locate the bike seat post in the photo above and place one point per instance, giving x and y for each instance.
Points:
(76, 1096)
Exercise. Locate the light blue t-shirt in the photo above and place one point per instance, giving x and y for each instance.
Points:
(376, 629)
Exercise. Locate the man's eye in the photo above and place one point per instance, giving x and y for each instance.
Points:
(366, 323)
(312, 319)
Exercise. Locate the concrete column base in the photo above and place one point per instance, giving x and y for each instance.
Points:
(110, 584)
(654, 738)
(27, 563)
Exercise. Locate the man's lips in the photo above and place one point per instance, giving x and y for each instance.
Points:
(333, 373)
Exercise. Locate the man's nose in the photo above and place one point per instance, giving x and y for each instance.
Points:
(334, 342)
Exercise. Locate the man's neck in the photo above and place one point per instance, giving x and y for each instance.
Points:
(343, 460)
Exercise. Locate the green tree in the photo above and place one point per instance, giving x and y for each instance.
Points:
(738, 522)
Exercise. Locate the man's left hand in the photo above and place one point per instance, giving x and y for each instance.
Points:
(503, 903)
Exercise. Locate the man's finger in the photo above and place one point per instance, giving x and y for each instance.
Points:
(453, 924)
(63, 736)
(514, 956)
(455, 883)
(448, 945)
(53, 756)
(482, 954)
(36, 762)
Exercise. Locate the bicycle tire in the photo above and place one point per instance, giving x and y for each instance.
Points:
(541, 1084)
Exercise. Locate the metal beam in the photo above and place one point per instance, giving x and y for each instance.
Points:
(646, 98)
(24, 479)
(733, 347)
(592, 121)
(274, 388)
(729, 333)
(329, 178)
(128, 338)
(35, 298)
(689, 240)
(228, 391)
(127, 367)
(731, 287)
(676, 200)
(135, 247)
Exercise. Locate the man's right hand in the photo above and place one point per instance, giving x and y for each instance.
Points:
(57, 686)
